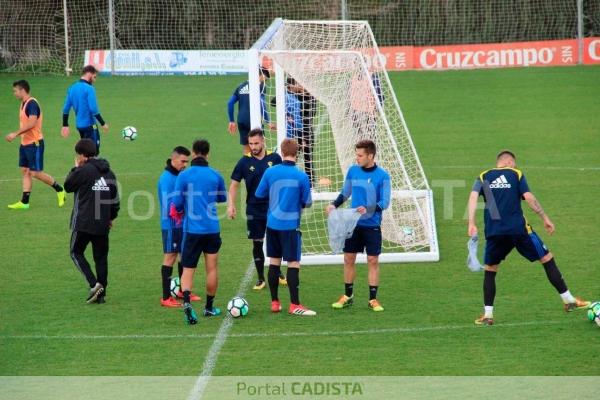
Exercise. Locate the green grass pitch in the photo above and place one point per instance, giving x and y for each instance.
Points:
(459, 120)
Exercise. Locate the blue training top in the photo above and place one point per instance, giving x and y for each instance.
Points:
(166, 192)
(369, 188)
(82, 97)
(293, 115)
(198, 189)
(502, 190)
(288, 191)
(241, 95)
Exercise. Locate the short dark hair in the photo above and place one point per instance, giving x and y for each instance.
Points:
(86, 148)
(89, 69)
(181, 150)
(256, 132)
(506, 153)
(368, 145)
(289, 147)
(201, 147)
(264, 71)
(23, 84)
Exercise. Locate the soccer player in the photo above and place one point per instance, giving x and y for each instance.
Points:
(31, 150)
(306, 139)
(288, 191)
(81, 96)
(95, 207)
(198, 189)
(502, 189)
(171, 231)
(241, 95)
(251, 168)
(370, 188)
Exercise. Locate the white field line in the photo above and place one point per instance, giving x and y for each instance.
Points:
(478, 167)
(213, 353)
(415, 329)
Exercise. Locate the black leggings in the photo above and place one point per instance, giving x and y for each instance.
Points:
(79, 242)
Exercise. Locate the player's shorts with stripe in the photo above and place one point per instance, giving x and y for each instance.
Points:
(284, 244)
(171, 239)
(529, 246)
(32, 156)
(256, 222)
(91, 132)
(244, 130)
(193, 245)
(364, 237)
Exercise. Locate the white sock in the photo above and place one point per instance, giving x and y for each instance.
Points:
(567, 297)
(488, 311)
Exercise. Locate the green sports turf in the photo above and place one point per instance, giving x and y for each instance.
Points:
(459, 121)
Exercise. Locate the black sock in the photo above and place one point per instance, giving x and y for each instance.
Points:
(25, 197)
(349, 289)
(209, 302)
(274, 271)
(259, 259)
(57, 187)
(489, 288)
(293, 278)
(166, 272)
(186, 296)
(554, 276)
(373, 292)
(179, 270)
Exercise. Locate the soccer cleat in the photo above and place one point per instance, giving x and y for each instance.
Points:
(343, 302)
(19, 206)
(483, 320)
(189, 315)
(62, 197)
(578, 305)
(375, 305)
(94, 293)
(299, 309)
(282, 280)
(275, 306)
(170, 302)
(260, 285)
(213, 312)
(193, 297)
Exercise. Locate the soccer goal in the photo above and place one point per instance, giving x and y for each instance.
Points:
(329, 88)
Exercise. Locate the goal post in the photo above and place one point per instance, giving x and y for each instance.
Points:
(329, 89)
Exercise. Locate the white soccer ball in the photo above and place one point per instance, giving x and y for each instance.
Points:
(237, 307)
(594, 312)
(175, 286)
(129, 133)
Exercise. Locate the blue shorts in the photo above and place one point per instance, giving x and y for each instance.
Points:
(171, 239)
(193, 245)
(244, 130)
(529, 246)
(91, 132)
(368, 237)
(256, 228)
(32, 156)
(284, 244)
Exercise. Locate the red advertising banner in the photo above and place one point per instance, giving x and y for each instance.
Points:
(495, 55)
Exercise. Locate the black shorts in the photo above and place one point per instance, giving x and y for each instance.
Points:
(32, 156)
(195, 244)
(529, 246)
(244, 130)
(91, 132)
(171, 239)
(256, 228)
(284, 244)
(368, 237)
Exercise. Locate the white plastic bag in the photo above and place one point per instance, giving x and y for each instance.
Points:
(340, 224)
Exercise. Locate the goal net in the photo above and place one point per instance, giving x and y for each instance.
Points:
(329, 89)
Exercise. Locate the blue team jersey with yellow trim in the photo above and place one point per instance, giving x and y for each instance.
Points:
(251, 170)
(502, 190)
